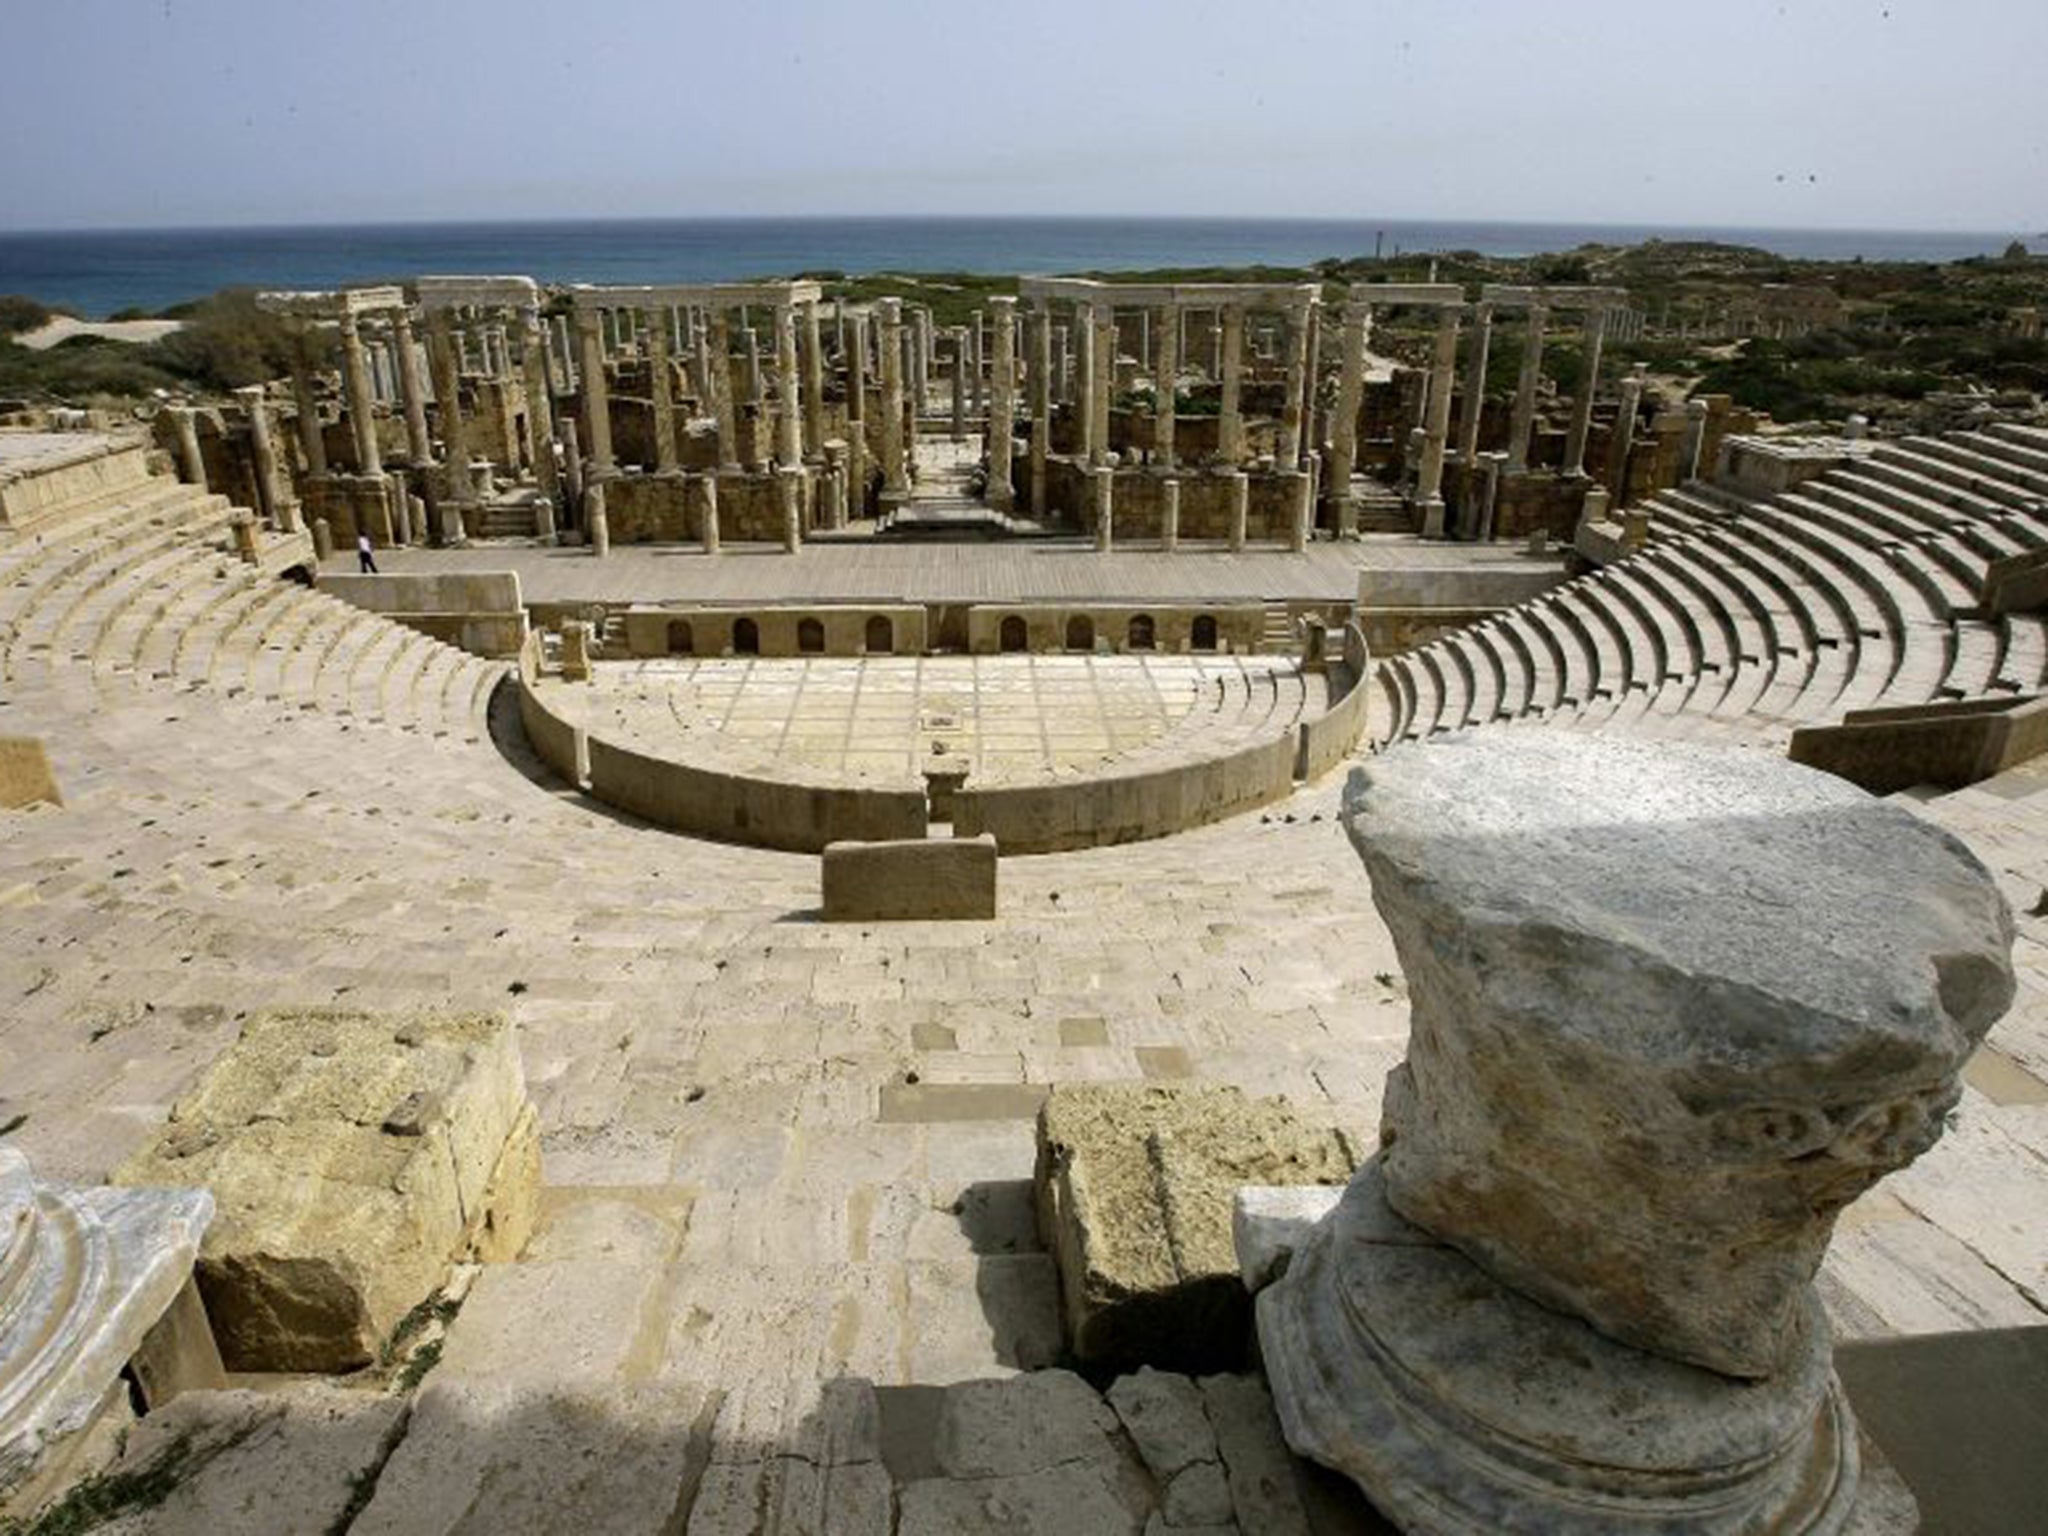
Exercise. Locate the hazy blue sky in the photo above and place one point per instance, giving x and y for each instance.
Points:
(1888, 113)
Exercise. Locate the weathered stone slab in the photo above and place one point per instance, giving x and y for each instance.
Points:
(354, 1157)
(85, 1275)
(910, 879)
(1134, 1187)
(25, 775)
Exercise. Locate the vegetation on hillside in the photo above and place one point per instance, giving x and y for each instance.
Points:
(226, 342)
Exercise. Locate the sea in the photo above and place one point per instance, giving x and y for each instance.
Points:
(100, 272)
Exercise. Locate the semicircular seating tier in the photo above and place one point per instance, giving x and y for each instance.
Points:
(1863, 587)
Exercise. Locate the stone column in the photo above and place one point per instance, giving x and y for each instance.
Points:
(1294, 409)
(856, 416)
(1582, 408)
(750, 346)
(1084, 384)
(1105, 377)
(261, 453)
(957, 378)
(312, 446)
(721, 390)
(1523, 423)
(1625, 434)
(1475, 383)
(191, 462)
(1165, 382)
(1350, 392)
(1240, 496)
(1002, 411)
(540, 404)
(597, 427)
(1496, 465)
(789, 433)
(1430, 481)
(1302, 507)
(661, 391)
(789, 486)
(441, 358)
(362, 417)
(814, 382)
(1039, 389)
(1230, 421)
(921, 358)
(1169, 514)
(419, 443)
(976, 375)
(707, 484)
(1695, 440)
(894, 484)
(1104, 487)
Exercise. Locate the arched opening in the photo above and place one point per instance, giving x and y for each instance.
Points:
(1139, 635)
(881, 636)
(1205, 632)
(682, 639)
(1080, 633)
(810, 637)
(746, 638)
(1013, 636)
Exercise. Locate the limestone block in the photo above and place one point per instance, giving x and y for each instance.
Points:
(1134, 1185)
(85, 1275)
(506, 1459)
(242, 1463)
(354, 1157)
(1166, 1421)
(913, 878)
(25, 775)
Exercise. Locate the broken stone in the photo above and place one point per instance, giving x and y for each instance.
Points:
(1267, 1223)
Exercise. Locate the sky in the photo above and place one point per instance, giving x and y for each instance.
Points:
(1807, 113)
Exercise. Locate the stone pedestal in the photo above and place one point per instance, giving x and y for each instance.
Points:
(1673, 1008)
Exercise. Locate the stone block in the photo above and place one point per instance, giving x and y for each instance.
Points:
(1135, 1185)
(353, 1157)
(911, 879)
(25, 775)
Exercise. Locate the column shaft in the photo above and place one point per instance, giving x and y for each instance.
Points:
(1230, 422)
(1523, 423)
(1475, 383)
(1002, 412)
(1166, 335)
(312, 446)
(362, 418)
(893, 481)
(1589, 379)
(661, 390)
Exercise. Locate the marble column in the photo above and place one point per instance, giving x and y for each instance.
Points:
(1105, 377)
(1038, 365)
(1084, 384)
(362, 419)
(1104, 487)
(750, 348)
(1589, 381)
(1169, 514)
(1625, 434)
(1301, 505)
(1475, 383)
(814, 382)
(957, 378)
(1350, 393)
(312, 446)
(789, 487)
(1240, 498)
(1002, 412)
(419, 443)
(894, 484)
(976, 373)
(1165, 383)
(1443, 364)
(540, 405)
(1523, 423)
(191, 462)
(726, 405)
(856, 415)
(597, 427)
(707, 485)
(442, 359)
(921, 358)
(564, 353)
(262, 454)
(1694, 448)
(661, 393)
(1294, 414)
(1230, 422)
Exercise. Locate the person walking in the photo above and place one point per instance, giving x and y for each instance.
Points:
(364, 558)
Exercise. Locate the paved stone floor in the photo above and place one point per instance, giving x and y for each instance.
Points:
(1003, 718)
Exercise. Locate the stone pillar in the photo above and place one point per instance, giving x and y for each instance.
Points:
(814, 382)
(323, 541)
(789, 487)
(1489, 503)
(958, 379)
(1695, 440)
(750, 350)
(1038, 356)
(1444, 363)
(540, 404)
(362, 413)
(1542, 1321)
(564, 353)
(442, 359)
(419, 443)
(789, 434)
(894, 485)
(1294, 414)
(856, 417)
(1625, 434)
(1105, 378)
(1589, 380)
(1523, 423)
(1104, 488)
(1062, 373)
(1169, 514)
(1165, 384)
(312, 446)
(1302, 506)
(921, 358)
(661, 391)
(1475, 383)
(1230, 421)
(1084, 383)
(597, 426)
(721, 389)
(1002, 411)
(707, 484)
(976, 374)
(261, 453)
(1240, 496)
(1350, 393)
(191, 462)
(572, 463)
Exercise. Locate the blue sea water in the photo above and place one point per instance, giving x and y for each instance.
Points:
(98, 272)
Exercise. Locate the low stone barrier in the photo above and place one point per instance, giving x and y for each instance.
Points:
(1947, 744)
(558, 743)
(1331, 737)
(2015, 583)
(480, 611)
(918, 878)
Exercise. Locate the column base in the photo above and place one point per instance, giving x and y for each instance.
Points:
(1463, 1408)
